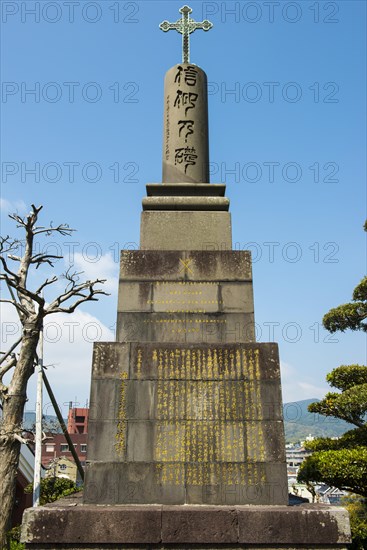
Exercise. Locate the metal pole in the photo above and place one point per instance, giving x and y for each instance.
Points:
(38, 437)
(63, 426)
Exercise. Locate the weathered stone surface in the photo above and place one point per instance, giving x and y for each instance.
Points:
(68, 524)
(237, 297)
(220, 328)
(197, 409)
(78, 525)
(258, 387)
(104, 399)
(110, 359)
(215, 264)
(185, 230)
(219, 525)
(135, 296)
(208, 264)
(155, 327)
(129, 483)
(102, 438)
(141, 400)
(140, 441)
(273, 450)
(186, 203)
(264, 486)
(186, 297)
(307, 524)
(147, 265)
(185, 483)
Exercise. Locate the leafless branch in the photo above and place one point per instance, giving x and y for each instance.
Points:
(14, 258)
(22, 312)
(7, 244)
(23, 440)
(16, 344)
(9, 280)
(24, 291)
(45, 437)
(63, 229)
(7, 269)
(72, 277)
(11, 291)
(44, 259)
(27, 221)
(76, 291)
(46, 283)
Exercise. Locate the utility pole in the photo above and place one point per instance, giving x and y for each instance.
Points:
(38, 437)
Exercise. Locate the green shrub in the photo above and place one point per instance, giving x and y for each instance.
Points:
(14, 539)
(357, 508)
(53, 488)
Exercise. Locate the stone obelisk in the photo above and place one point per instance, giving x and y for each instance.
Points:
(185, 406)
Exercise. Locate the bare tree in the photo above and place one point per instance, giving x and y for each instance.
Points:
(19, 361)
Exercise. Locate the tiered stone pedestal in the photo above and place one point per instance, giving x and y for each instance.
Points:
(186, 440)
(186, 413)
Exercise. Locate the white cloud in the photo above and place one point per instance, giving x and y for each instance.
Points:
(297, 386)
(15, 206)
(68, 352)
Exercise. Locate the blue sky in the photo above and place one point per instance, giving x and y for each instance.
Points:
(287, 134)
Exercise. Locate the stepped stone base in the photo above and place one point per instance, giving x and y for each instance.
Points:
(68, 524)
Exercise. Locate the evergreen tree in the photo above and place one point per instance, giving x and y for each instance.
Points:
(342, 462)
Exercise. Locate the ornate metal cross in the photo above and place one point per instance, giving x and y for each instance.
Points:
(185, 26)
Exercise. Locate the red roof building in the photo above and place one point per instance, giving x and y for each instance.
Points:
(56, 446)
(78, 421)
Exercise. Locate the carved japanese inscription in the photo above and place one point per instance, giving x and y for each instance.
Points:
(208, 411)
(185, 125)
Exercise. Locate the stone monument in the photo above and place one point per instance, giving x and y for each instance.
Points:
(186, 440)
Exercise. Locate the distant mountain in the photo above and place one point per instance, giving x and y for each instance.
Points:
(299, 423)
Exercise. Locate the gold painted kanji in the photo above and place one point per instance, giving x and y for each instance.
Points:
(208, 415)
